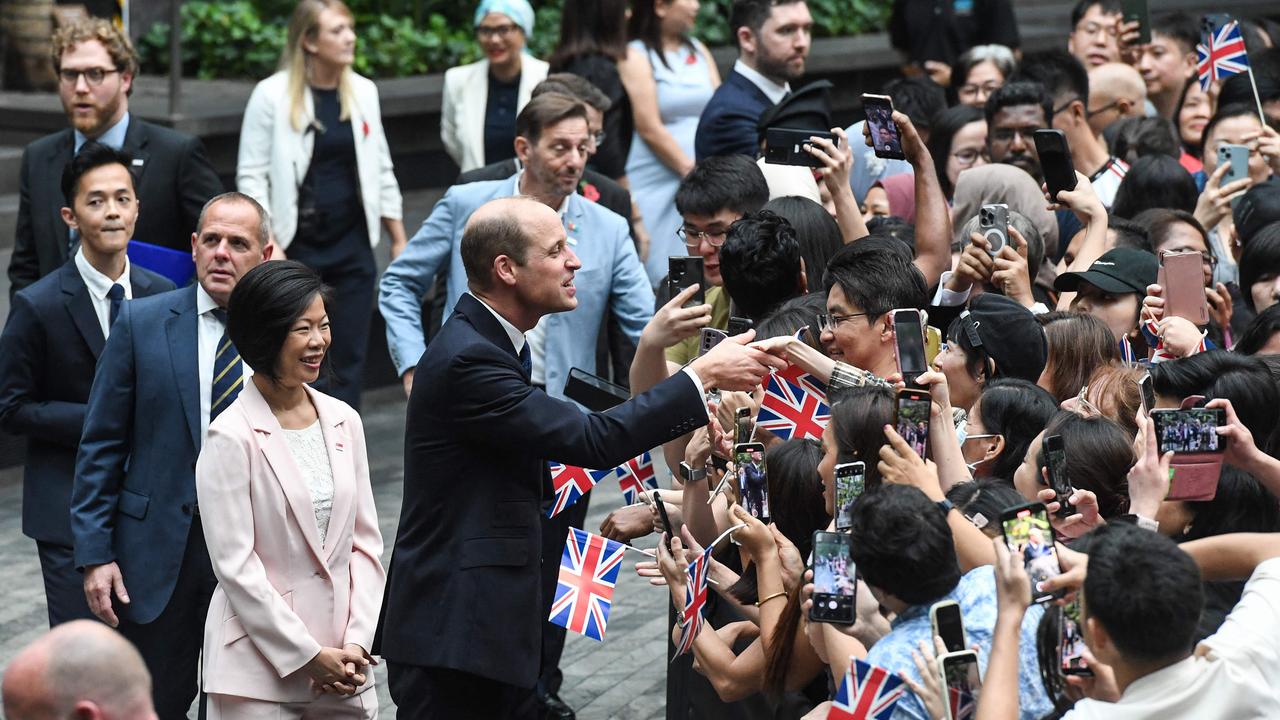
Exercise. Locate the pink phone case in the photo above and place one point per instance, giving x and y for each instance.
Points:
(1182, 278)
(1194, 476)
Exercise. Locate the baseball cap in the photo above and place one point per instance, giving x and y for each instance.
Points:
(1258, 207)
(1119, 270)
(1007, 332)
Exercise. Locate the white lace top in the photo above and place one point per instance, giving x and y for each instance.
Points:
(307, 446)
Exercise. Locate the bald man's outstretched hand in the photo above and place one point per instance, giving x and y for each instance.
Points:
(735, 365)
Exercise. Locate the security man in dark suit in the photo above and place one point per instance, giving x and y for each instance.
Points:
(96, 66)
(461, 626)
(49, 350)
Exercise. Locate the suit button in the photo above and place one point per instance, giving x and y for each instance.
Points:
(186, 508)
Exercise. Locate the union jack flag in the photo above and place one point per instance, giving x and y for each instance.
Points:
(571, 482)
(963, 704)
(588, 573)
(1221, 53)
(794, 405)
(638, 478)
(867, 692)
(695, 597)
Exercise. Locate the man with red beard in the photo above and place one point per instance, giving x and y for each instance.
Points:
(96, 65)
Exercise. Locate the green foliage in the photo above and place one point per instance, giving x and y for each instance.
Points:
(243, 38)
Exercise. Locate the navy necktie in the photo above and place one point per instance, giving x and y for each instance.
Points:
(116, 296)
(228, 375)
(526, 359)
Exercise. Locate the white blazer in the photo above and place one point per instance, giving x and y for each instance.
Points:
(466, 96)
(274, 157)
(281, 594)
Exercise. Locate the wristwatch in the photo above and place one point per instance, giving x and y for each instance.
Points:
(689, 473)
(945, 506)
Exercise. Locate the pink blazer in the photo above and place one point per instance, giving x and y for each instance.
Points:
(281, 595)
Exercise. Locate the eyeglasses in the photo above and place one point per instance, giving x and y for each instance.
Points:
(979, 436)
(1093, 28)
(484, 32)
(1083, 406)
(968, 156)
(1092, 113)
(693, 238)
(1065, 105)
(92, 76)
(598, 138)
(1005, 135)
(971, 90)
(828, 323)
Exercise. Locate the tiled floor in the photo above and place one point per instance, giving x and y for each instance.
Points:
(621, 678)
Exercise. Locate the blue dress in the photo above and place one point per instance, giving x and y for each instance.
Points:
(683, 91)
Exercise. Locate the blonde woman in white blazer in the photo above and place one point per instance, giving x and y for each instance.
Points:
(313, 151)
(482, 99)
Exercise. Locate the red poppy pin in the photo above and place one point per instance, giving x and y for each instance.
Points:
(590, 192)
(364, 126)
(691, 59)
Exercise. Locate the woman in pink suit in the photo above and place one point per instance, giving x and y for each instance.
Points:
(283, 486)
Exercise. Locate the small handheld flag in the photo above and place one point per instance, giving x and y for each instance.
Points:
(963, 704)
(867, 692)
(638, 478)
(794, 405)
(588, 574)
(570, 483)
(1221, 53)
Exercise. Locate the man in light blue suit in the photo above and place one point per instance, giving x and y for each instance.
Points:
(553, 144)
(166, 372)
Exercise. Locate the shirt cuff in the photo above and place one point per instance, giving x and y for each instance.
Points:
(693, 375)
(949, 298)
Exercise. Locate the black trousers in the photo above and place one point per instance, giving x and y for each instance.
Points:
(63, 584)
(347, 267)
(424, 693)
(554, 532)
(170, 644)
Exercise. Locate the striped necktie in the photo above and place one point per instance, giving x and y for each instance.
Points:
(228, 375)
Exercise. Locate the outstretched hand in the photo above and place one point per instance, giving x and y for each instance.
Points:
(735, 365)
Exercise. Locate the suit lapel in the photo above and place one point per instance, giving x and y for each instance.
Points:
(80, 307)
(338, 446)
(182, 331)
(141, 284)
(276, 450)
(135, 143)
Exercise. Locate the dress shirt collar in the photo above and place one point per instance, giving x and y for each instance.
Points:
(204, 301)
(98, 283)
(517, 337)
(564, 204)
(771, 89)
(112, 138)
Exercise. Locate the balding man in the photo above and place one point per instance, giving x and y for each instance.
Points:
(80, 669)
(1116, 91)
(461, 628)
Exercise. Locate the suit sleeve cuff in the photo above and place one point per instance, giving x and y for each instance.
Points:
(697, 381)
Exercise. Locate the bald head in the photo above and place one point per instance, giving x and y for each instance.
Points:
(501, 227)
(1116, 91)
(79, 669)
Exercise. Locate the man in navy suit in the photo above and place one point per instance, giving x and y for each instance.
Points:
(166, 372)
(462, 623)
(49, 349)
(773, 43)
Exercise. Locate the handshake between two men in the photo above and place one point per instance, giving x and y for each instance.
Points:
(738, 363)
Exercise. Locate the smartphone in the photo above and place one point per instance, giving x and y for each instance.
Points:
(833, 579)
(742, 426)
(883, 130)
(789, 146)
(1071, 642)
(908, 344)
(738, 325)
(1189, 431)
(1148, 393)
(1237, 157)
(1027, 532)
(753, 480)
(662, 515)
(710, 338)
(1182, 278)
(851, 480)
(1136, 11)
(594, 392)
(960, 675)
(911, 418)
(1055, 460)
(993, 225)
(1055, 161)
(948, 624)
(683, 271)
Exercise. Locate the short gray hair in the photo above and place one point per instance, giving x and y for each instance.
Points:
(264, 218)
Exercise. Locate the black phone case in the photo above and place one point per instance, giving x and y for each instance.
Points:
(594, 392)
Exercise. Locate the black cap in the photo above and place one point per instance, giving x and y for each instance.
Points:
(1258, 207)
(1119, 270)
(808, 108)
(1008, 333)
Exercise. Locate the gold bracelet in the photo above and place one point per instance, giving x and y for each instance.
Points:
(780, 593)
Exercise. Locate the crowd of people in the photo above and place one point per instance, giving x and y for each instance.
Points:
(197, 475)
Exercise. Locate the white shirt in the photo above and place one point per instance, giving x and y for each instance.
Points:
(312, 457)
(1232, 675)
(771, 89)
(99, 285)
(209, 331)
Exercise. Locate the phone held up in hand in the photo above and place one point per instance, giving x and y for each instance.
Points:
(1055, 161)
(885, 139)
(753, 479)
(911, 418)
(788, 146)
(1055, 459)
(1071, 642)
(684, 271)
(948, 624)
(851, 480)
(662, 515)
(960, 676)
(993, 225)
(1181, 276)
(833, 579)
(1027, 533)
(908, 344)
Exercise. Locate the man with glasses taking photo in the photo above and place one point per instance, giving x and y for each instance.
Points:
(96, 66)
